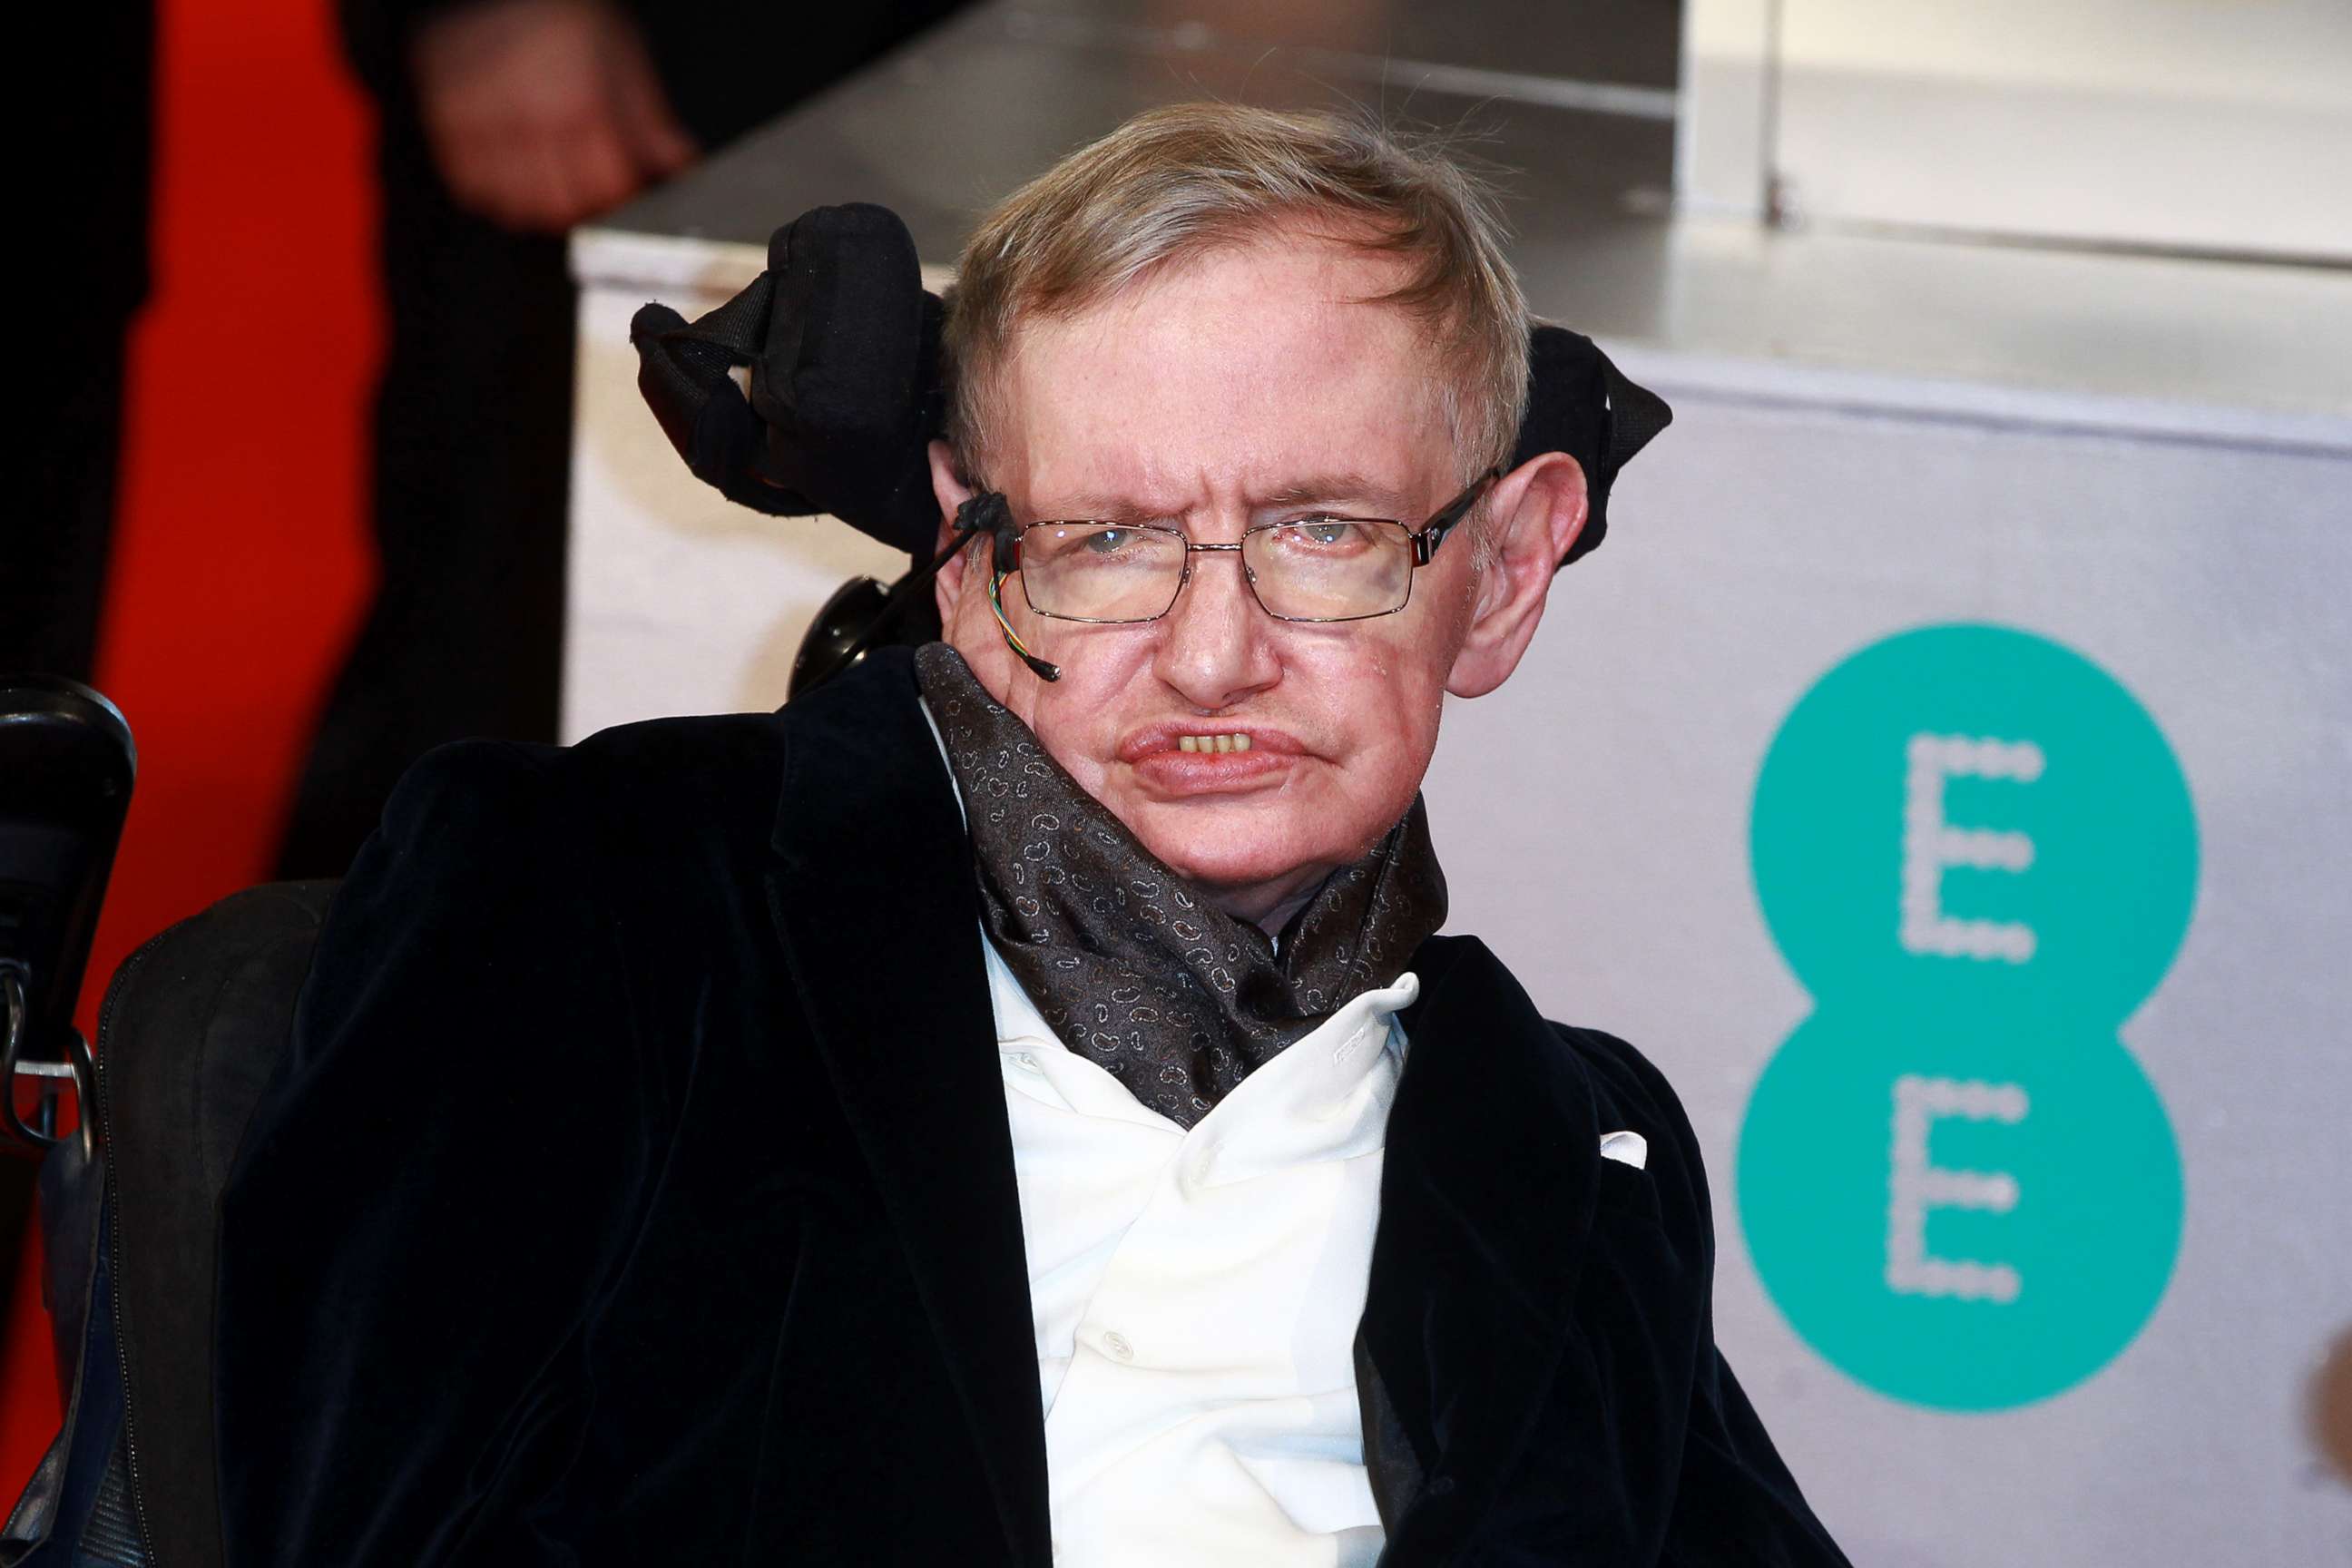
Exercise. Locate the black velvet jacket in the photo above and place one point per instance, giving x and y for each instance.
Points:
(637, 1189)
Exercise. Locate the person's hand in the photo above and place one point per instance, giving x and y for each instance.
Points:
(543, 112)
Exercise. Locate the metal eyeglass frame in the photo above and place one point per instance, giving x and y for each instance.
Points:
(985, 513)
(1423, 540)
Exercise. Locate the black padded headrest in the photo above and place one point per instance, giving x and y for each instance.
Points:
(194, 1031)
(843, 342)
(848, 390)
(1581, 404)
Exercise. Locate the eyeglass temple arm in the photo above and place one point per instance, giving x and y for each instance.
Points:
(1431, 534)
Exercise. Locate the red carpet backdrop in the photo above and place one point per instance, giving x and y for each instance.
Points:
(239, 562)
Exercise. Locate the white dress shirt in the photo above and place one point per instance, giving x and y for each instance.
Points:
(1196, 1293)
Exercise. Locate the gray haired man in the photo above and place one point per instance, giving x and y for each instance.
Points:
(1012, 1105)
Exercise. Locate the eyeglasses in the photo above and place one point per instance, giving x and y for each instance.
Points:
(1317, 569)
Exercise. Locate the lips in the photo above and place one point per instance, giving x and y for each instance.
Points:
(1224, 758)
(1238, 741)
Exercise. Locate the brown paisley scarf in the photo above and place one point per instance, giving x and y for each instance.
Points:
(1131, 967)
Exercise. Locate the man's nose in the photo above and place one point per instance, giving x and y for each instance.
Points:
(1217, 648)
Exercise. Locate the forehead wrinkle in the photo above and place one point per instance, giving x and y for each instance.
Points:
(1354, 495)
(1139, 431)
(1086, 509)
(1350, 491)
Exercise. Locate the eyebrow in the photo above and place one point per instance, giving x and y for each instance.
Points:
(1351, 494)
(1097, 510)
(1338, 491)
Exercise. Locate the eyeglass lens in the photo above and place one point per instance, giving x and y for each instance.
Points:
(1317, 569)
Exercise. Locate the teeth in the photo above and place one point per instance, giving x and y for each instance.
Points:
(1212, 742)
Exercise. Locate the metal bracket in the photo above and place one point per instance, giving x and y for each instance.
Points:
(78, 1068)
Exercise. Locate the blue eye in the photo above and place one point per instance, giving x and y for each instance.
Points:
(1110, 540)
(1321, 536)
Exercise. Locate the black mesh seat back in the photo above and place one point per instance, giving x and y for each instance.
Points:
(193, 1026)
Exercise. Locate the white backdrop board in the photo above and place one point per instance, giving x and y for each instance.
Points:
(1594, 817)
(2204, 125)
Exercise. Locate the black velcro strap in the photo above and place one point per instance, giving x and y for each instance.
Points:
(842, 345)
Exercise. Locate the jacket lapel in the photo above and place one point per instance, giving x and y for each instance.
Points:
(882, 936)
(1486, 1200)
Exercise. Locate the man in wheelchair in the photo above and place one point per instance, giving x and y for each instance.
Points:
(1011, 1104)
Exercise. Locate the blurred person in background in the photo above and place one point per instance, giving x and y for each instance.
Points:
(504, 123)
(93, 224)
(94, 227)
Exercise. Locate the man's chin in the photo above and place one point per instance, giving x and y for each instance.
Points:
(1239, 864)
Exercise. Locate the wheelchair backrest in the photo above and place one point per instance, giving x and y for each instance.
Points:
(193, 1027)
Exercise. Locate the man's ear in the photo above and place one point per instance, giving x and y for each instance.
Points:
(1535, 513)
(953, 492)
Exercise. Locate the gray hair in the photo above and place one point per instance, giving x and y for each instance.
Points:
(1173, 184)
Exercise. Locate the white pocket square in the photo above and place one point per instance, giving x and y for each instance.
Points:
(1626, 1149)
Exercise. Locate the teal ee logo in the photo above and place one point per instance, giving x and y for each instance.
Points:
(1977, 854)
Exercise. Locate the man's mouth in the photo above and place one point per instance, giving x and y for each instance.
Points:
(1175, 738)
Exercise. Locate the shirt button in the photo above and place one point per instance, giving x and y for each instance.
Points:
(1116, 1344)
(1027, 1062)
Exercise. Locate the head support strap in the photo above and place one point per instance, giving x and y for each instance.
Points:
(1581, 404)
(848, 390)
(843, 344)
